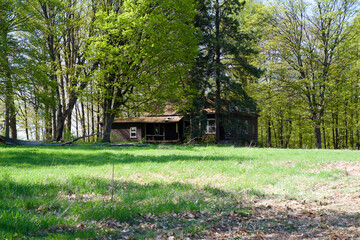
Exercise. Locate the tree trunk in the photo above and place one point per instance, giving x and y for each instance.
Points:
(288, 137)
(68, 123)
(7, 119)
(88, 118)
(83, 119)
(13, 121)
(317, 119)
(62, 116)
(281, 133)
(26, 121)
(77, 121)
(98, 119)
(92, 119)
(108, 122)
(324, 136)
(269, 133)
(10, 111)
(346, 131)
(109, 115)
(217, 71)
(317, 132)
(36, 110)
(48, 123)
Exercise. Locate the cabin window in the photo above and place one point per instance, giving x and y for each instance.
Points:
(133, 132)
(211, 126)
(253, 128)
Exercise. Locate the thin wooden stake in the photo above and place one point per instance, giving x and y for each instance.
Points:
(112, 183)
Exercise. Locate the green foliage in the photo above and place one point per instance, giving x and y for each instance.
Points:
(144, 50)
(308, 55)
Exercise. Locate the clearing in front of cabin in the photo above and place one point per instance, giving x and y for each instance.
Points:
(178, 192)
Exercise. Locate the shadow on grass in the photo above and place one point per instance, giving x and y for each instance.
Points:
(84, 206)
(95, 156)
(36, 210)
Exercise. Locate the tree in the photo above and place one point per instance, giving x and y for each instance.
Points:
(224, 50)
(144, 50)
(19, 55)
(308, 40)
(12, 21)
(65, 30)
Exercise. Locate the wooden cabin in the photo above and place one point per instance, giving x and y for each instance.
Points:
(171, 127)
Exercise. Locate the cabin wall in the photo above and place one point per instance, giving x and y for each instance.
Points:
(170, 131)
(252, 127)
(239, 136)
(121, 132)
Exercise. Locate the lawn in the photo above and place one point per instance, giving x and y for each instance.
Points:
(178, 192)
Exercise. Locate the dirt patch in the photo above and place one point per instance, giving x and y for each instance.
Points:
(335, 214)
(349, 168)
(287, 219)
(285, 163)
(296, 219)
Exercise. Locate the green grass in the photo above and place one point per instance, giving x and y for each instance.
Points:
(65, 192)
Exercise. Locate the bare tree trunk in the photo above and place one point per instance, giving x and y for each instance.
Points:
(26, 121)
(83, 119)
(346, 131)
(316, 119)
(92, 113)
(217, 71)
(324, 136)
(317, 132)
(37, 129)
(281, 133)
(77, 121)
(88, 118)
(10, 111)
(288, 137)
(98, 118)
(269, 133)
(108, 122)
(48, 123)
(275, 137)
(109, 115)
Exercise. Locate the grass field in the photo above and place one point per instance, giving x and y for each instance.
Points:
(178, 192)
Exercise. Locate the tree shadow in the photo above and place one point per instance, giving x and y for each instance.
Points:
(37, 210)
(95, 156)
(87, 206)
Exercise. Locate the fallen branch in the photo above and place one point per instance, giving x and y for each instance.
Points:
(11, 141)
(129, 145)
(191, 141)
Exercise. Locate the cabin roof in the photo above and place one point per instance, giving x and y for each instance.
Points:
(160, 119)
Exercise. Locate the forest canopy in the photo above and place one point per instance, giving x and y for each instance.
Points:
(67, 65)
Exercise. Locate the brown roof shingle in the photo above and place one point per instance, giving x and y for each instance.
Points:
(162, 119)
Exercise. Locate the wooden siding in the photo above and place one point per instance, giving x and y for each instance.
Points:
(121, 132)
